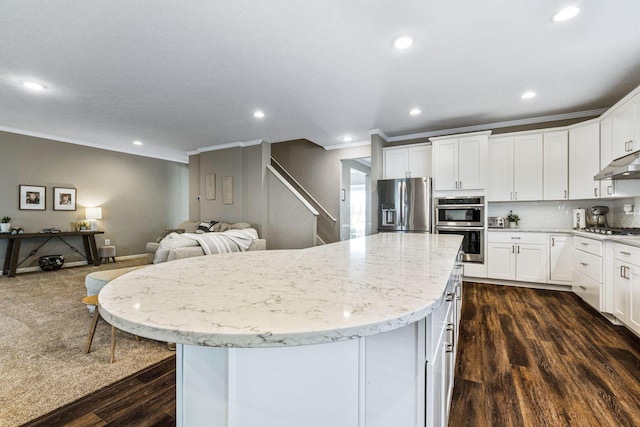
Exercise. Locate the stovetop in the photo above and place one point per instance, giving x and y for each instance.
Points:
(614, 231)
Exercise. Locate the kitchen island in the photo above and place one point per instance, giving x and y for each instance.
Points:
(355, 333)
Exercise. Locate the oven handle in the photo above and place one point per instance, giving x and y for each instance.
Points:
(459, 206)
(454, 228)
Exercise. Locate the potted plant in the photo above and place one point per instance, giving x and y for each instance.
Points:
(513, 219)
(5, 224)
(83, 226)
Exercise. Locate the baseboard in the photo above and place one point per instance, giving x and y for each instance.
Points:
(546, 286)
(76, 263)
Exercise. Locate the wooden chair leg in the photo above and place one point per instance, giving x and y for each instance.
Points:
(92, 330)
(113, 344)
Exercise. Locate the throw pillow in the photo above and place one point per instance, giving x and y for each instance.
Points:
(206, 227)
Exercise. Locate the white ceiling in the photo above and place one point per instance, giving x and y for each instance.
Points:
(183, 75)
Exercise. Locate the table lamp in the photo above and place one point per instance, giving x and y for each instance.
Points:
(92, 215)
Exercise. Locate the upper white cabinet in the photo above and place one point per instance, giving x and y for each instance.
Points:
(407, 161)
(459, 163)
(584, 161)
(626, 128)
(515, 168)
(556, 165)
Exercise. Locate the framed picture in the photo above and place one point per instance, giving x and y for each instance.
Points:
(32, 197)
(227, 190)
(64, 199)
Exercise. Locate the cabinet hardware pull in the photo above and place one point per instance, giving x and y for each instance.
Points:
(515, 238)
(610, 189)
(584, 264)
(583, 288)
(518, 248)
(584, 244)
(625, 253)
(595, 192)
(449, 296)
(553, 241)
(449, 348)
(565, 194)
(516, 194)
(511, 195)
(460, 184)
(513, 249)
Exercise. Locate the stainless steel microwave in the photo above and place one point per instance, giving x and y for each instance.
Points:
(459, 211)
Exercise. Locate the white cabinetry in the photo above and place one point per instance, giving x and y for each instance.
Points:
(518, 256)
(584, 161)
(459, 163)
(515, 168)
(626, 287)
(588, 270)
(560, 259)
(556, 165)
(626, 127)
(407, 161)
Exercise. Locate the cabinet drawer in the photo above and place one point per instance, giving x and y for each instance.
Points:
(588, 264)
(627, 253)
(588, 245)
(587, 289)
(515, 237)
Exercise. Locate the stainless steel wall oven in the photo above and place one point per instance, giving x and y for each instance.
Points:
(464, 216)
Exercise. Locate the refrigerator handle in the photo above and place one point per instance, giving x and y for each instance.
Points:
(403, 201)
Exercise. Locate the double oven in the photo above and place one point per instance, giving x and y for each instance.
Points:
(465, 216)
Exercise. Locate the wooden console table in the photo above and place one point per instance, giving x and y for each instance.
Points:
(13, 247)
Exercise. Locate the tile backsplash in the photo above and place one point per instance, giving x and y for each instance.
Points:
(558, 214)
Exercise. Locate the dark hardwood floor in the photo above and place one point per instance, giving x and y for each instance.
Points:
(542, 358)
(147, 398)
(526, 358)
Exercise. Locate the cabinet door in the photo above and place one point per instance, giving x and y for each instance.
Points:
(621, 286)
(623, 129)
(472, 164)
(633, 275)
(584, 161)
(419, 159)
(531, 263)
(445, 165)
(500, 173)
(607, 186)
(501, 261)
(556, 165)
(527, 167)
(560, 259)
(396, 163)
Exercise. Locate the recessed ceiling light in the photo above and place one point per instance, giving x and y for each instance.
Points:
(403, 42)
(32, 85)
(528, 95)
(258, 114)
(137, 142)
(566, 14)
(347, 138)
(415, 111)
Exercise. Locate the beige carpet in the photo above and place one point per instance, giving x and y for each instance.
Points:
(44, 325)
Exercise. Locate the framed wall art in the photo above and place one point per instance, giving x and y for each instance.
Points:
(32, 197)
(210, 186)
(227, 190)
(64, 199)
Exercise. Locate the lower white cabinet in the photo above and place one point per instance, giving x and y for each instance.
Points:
(588, 271)
(518, 256)
(560, 260)
(626, 286)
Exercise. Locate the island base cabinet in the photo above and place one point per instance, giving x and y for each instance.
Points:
(376, 381)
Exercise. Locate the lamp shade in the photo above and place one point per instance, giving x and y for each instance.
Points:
(94, 213)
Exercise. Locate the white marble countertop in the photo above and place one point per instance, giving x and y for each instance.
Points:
(273, 298)
(627, 240)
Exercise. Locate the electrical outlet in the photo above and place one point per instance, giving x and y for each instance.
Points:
(107, 242)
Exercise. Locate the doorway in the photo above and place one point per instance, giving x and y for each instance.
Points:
(355, 206)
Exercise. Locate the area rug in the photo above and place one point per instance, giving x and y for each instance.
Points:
(44, 326)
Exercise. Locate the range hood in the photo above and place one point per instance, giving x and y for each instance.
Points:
(625, 167)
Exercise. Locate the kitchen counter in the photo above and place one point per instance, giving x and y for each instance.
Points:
(361, 332)
(627, 240)
(322, 294)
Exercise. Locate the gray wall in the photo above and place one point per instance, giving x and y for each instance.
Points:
(319, 171)
(247, 167)
(139, 196)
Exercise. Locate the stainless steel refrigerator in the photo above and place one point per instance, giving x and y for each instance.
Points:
(404, 204)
